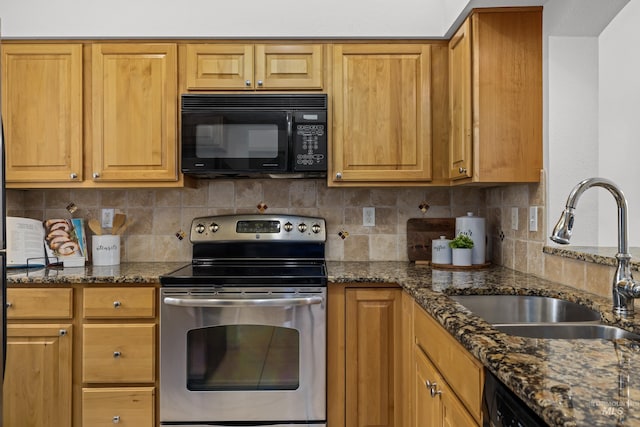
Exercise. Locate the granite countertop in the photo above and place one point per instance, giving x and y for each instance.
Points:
(125, 273)
(567, 382)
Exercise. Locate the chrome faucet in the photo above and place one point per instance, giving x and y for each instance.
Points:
(625, 288)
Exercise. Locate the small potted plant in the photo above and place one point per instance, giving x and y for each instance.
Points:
(461, 248)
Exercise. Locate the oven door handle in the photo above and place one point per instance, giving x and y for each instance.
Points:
(255, 302)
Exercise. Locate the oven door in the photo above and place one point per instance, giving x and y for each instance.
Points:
(235, 142)
(242, 355)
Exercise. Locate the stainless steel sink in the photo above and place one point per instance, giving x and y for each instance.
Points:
(525, 309)
(567, 331)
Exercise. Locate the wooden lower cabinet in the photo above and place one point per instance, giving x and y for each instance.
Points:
(364, 356)
(38, 381)
(119, 353)
(84, 355)
(131, 406)
(447, 380)
(38, 375)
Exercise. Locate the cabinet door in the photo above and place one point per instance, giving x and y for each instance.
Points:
(381, 115)
(460, 142)
(507, 95)
(428, 408)
(134, 112)
(373, 357)
(38, 376)
(219, 66)
(298, 66)
(454, 413)
(42, 112)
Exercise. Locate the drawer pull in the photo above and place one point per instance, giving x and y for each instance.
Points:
(116, 419)
(117, 304)
(9, 304)
(117, 354)
(62, 332)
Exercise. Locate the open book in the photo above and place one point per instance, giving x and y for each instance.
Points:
(33, 243)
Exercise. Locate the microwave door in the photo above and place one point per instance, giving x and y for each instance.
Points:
(236, 142)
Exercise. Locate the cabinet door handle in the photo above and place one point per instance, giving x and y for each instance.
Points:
(73, 175)
(462, 170)
(339, 175)
(247, 83)
(8, 304)
(116, 419)
(96, 175)
(62, 332)
(116, 354)
(432, 388)
(259, 82)
(435, 392)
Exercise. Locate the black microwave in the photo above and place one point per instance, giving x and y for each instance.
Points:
(254, 135)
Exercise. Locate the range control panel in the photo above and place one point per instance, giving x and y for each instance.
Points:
(258, 227)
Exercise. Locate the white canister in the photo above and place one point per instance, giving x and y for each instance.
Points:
(440, 251)
(105, 249)
(474, 227)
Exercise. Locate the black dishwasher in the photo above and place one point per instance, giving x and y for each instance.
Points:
(502, 408)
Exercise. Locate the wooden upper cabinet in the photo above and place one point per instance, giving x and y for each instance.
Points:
(460, 143)
(381, 114)
(216, 66)
(42, 111)
(134, 112)
(505, 96)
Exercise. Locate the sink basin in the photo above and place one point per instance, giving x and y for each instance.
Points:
(525, 309)
(567, 331)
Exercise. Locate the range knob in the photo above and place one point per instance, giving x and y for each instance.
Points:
(199, 228)
(214, 227)
(316, 228)
(302, 227)
(288, 226)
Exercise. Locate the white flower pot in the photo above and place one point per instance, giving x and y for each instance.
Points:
(461, 256)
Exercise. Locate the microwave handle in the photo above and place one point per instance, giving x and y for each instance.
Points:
(289, 124)
(259, 302)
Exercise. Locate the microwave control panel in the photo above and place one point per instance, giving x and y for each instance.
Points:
(310, 141)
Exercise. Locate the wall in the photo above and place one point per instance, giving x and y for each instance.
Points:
(592, 123)
(159, 214)
(249, 18)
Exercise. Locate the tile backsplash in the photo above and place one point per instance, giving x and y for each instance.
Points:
(160, 215)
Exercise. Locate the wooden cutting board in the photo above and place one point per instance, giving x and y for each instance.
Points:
(420, 232)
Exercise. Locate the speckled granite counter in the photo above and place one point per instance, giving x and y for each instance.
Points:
(596, 255)
(134, 273)
(568, 382)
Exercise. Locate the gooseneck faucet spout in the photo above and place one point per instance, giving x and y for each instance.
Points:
(625, 288)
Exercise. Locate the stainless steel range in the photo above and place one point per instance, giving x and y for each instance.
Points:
(243, 327)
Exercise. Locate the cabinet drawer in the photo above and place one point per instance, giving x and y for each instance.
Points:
(462, 371)
(119, 303)
(39, 303)
(130, 406)
(120, 353)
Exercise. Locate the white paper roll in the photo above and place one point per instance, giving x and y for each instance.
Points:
(474, 227)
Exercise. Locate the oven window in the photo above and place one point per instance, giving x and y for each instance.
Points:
(236, 141)
(243, 357)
